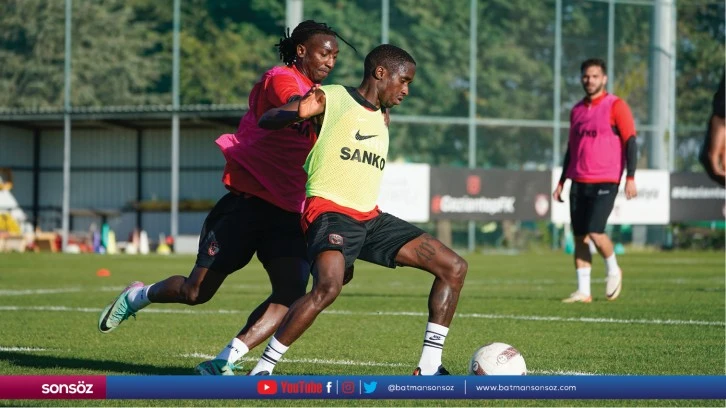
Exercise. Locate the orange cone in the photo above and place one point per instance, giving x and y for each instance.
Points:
(103, 272)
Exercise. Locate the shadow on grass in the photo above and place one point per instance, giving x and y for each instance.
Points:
(50, 362)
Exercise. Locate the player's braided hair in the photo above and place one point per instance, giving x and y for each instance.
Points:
(288, 43)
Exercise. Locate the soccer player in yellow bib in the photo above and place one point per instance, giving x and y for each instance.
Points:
(341, 219)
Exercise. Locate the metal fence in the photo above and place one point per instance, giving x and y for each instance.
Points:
(495, 82)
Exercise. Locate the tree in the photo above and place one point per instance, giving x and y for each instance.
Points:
(700, 66)
(122, 53)
(225, 45)
(109, 61)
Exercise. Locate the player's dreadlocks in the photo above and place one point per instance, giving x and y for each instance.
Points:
(288, 43)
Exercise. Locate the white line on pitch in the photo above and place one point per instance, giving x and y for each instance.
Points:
(541, 318)
(416, 314)
(560, 372)
(21, 349)
(309, 361)
(118, 289)
(24, 292)
(470, 282)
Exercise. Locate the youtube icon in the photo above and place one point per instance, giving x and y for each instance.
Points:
(267, 387)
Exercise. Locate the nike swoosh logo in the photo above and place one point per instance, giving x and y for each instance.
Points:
(358, 136)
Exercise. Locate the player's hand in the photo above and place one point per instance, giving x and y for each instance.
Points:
(557, 194)
(630, 190)
(312, 104)
(716, 157)
(717, 148)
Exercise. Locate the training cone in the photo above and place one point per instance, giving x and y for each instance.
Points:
(131, 249)
(163, 248)
(111, 247)
(143, 243)
(103, 273)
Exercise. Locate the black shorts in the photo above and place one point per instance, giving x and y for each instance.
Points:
(239, 225)
(590, 206)
(377, 241)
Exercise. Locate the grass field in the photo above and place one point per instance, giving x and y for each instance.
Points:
(669, 320)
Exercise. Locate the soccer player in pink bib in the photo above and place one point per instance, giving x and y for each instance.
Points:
(262, 211)
(601, 145)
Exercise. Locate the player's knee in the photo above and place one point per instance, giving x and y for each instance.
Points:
(191, 295)
(595, 237)
(325, 292)
(461, 268)
(456, 272)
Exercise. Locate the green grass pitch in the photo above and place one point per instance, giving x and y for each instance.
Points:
(669, 320)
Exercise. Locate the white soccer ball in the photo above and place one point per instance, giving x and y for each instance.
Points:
(497, 359)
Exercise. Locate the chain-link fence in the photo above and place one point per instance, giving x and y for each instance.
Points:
(495, 83)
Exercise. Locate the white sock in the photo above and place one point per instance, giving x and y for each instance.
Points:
(433, 346)
(234, 351)
(583, 280)
(273, 353)
(612, 265)
(139, 298)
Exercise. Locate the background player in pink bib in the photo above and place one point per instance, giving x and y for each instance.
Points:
(601, 144)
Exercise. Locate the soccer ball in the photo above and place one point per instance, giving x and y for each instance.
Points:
(497, 359)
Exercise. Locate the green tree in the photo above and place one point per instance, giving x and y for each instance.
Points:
(109, 55)
(225, 45)
(514, 79)
(122, 54)
(700, 66)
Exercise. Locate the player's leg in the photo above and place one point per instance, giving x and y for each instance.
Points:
(601, 208)
(227, 243)
(289, 278)
(334, 241)
(283, 252)
(281, 249)
(580, 210)
(392, 241)
(222, 250)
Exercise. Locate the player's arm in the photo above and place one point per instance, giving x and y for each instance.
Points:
(718, 145)
(718, 133)
(282, 89)
(310, 105)
(557, 194)
(623, 118)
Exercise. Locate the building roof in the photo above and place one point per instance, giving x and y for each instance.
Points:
(132, 117)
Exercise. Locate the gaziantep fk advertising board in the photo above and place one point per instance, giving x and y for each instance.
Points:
(694, 197)
(650, 207)
(489, 195)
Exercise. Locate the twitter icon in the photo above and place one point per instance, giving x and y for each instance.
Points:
(370, 387)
